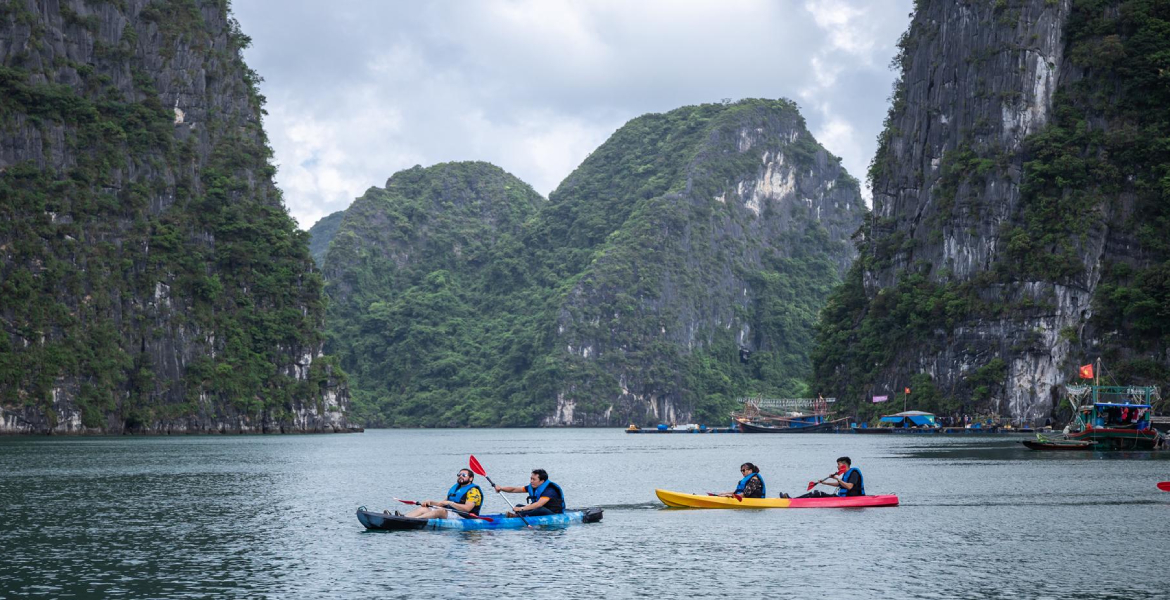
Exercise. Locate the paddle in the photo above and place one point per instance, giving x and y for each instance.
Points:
(736, 496)
(812, 484)
(1164, 486)
(454, 510)
(479, 470)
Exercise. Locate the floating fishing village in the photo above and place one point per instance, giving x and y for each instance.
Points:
(1102, 417)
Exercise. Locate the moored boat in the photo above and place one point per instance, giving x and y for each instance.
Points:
(800, 415)
(822, 427)
(390, 522)
(1045, 444)
(682, 500)
(1113, 417)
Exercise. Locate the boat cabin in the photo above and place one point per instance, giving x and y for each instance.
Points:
(1116, 416)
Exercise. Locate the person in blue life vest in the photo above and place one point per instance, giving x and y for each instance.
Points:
(465, 495)
(751, 486)
(848, 481)
(544, 496)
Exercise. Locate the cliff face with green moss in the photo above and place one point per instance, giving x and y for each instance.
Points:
(1021, 195)
(681, 266)
(150, 277)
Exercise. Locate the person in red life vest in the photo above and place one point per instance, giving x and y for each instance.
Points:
(544, 496)
(848, 481)
(465, 495)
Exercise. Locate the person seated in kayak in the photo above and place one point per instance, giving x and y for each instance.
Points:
(465, 496)
(847, 480)
(544, 496)
(752, 484)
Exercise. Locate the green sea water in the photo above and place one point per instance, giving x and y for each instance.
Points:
(273, 516)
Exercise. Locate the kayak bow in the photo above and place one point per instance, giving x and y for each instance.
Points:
(681, 500)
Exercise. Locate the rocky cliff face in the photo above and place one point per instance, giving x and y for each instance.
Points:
(1000, 202)
(723, 271)
(152, 280)
(681, 266)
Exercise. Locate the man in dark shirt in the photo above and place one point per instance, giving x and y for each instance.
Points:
(544, 496)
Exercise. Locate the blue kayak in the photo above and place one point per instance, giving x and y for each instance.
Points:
(388, 522)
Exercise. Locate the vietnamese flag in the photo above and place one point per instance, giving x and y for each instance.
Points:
(1087, 371)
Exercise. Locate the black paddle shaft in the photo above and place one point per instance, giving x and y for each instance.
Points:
(493, 484)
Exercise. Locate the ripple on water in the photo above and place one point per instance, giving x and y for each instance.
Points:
(248, 516)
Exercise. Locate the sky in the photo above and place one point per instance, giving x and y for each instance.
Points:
(360, 89)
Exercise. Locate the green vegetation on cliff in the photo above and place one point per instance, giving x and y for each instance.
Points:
(1101, 167)
(460, 298)
(149, 271)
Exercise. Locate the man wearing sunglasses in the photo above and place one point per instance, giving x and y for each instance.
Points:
(464, 496)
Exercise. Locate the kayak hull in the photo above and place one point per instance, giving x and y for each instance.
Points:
(387, 522)
(681, 500)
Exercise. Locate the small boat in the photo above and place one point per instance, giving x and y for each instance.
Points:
(1046, 444)
(390, 522)
(681, 500)
(871, 430)
(822, 427)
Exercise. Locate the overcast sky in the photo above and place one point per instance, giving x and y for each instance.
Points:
(360, 89)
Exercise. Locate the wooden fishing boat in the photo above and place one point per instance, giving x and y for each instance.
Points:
(822, 427)
(1113, 417)
(801, 415)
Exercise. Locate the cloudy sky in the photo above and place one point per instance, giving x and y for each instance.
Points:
(360, 89)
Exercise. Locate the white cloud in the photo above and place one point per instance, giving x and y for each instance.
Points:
(365, 88)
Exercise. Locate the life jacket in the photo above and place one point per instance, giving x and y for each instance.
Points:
(743, 484)
(458, 495)
(556, 502)
(858, 489)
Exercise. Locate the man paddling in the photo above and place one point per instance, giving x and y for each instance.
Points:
(544, 496)
(847, 480)
(464, 496)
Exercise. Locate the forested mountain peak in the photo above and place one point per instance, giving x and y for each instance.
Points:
(680, 266)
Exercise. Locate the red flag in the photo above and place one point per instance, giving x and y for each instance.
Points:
(1087, 371)
(907, 391)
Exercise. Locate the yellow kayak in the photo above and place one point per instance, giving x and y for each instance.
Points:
(681, 500)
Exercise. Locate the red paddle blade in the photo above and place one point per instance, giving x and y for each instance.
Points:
(841, 469)
(1164, 486)
(739, 497)
(811, 485)
(476, 467)
(488, 519)
(406, 501)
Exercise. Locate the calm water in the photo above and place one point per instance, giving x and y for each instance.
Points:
(255, 516)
